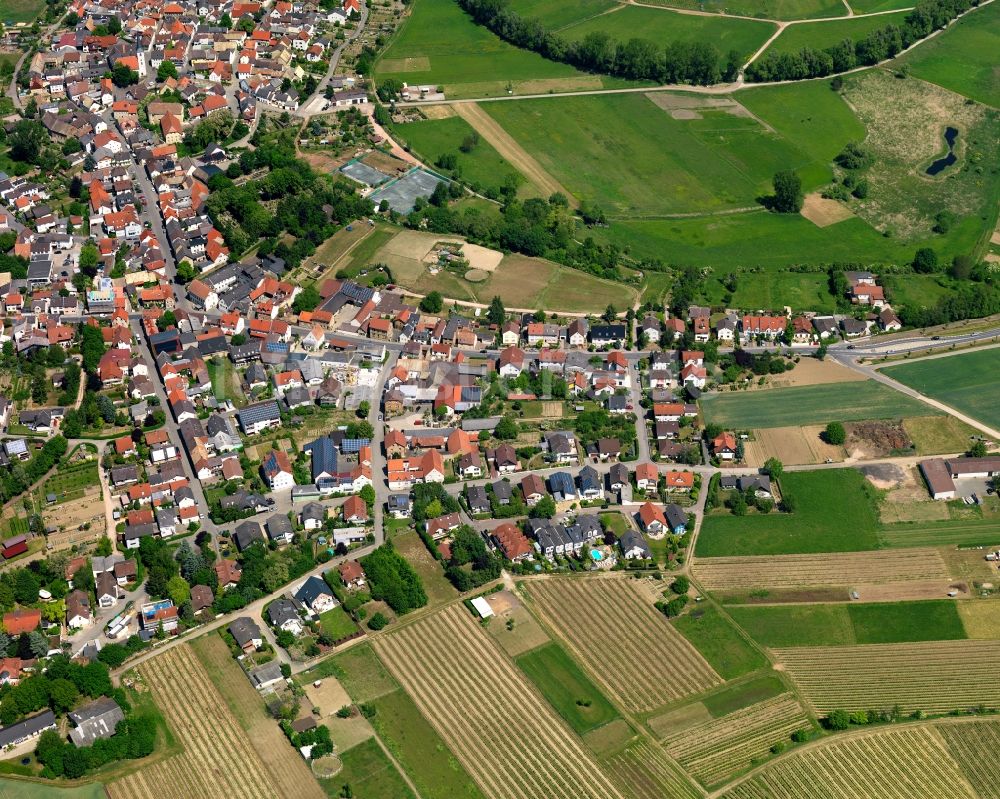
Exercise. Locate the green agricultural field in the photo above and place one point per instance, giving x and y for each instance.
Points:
(440, 45)
(963, 58)
(483, 167)
(369, 773)
(663, 25)
(848, 624)
(721, 644)
(801, 405)
(875, 6)
(570, 692)
(969, 533)
(557, 14)
(834, 512)
(723, 159)
(765, 9)
(11, 788)
(737, 696)
(968, 382)
(820, 35)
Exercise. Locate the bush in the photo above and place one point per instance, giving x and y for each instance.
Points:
(681, 585)
(377, 621)
(835, 433)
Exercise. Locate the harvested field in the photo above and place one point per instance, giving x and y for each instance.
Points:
(675, 721)
(413, 64)
(933, 676)
(218, 759)
(974, 746)
(443, 661)
(716, 750)
(981, 619)
(823, 212)
(791, 445)
(831, 569)
(613, 630)
(863, 767)
(813, 372)
(526, 634)
(649, 774)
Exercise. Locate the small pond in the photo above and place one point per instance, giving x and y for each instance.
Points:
(950, 134)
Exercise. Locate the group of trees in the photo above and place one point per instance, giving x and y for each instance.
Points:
(471, 563)
(58, 687)
(135, 737)
(17, 479)
(679, 61)
(393, 580)
(876, 46)
(309, 206)
(534, 227)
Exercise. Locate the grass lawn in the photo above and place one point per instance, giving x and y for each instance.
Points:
(483, 167)
(440, 45)
(848, 624)
(959, 58)
(226, 382)
(661, 26)
(801, 405)
(721, 160)
(968, 382)
(420, 750)
(775, 289)
(337, 624)
(411, 546)
(835, 512)
(616, 522)
(871, 6)
(938, 435)
(369, 773)
(20, 10)
(820, 35)
(69, 482)
(721, 644)
(570, 692)
(918, 289)
(360, 672)
(743, 694)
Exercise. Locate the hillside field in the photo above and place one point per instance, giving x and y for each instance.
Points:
(803, 405)
(968, 382)
(779, 9)
(820, 35)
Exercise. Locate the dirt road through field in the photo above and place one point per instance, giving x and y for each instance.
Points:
(503, 142)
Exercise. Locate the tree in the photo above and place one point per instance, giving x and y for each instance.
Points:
(166, 70)
(774, 468)
(432, 303)
(681, 585)
(610, 313)
(925, 260)
(38, 643)
(506, 429)
(306, 300)
(178, 590)
(26, 587)
(835, 433)
(167, 320)
(364, 408)
(275, 575)
(977, 450)
(545, 508)
(104, 547)
(367, 493)
(496, 313)
(838, 720)
(787, 193)
(62, 695)
(122, 76)
(26, 140)
(377, 621)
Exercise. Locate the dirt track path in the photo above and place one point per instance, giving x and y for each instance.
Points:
(504, 143)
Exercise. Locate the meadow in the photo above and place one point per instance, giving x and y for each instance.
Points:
(20, 10)
(835, 512)
(820, 35)
(369, 773)
(846, 624)
(968, 382)
(963, 58)
(570, 692)
(720, 160)
(11, 788)
(558, 14)
(440, 45)
(776, 289)
(662, 25)
(721, 644)
(764, 9)
(802, 405)
(483, 167)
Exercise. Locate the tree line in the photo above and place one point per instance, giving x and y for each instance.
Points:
(877, 46)
(697, 62)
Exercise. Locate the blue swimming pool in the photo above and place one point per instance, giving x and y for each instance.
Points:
(597, 555)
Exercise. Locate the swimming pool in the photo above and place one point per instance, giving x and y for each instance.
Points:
(597, 555)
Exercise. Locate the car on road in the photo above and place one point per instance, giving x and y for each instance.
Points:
(850, 346)
(935, 338)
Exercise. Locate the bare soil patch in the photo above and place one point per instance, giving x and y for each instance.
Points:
(876, 439)
(823, 212)
(509, 149)
(791, 445)
(386, 163)
(481, 258)
(910, 591)
(329, 697)
(678, 720)
(437, 111)
(813, 372)
(476, 276)
(684, 113)
(906, 499)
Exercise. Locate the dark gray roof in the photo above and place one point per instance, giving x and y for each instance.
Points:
(27, 728)
(96, 720)
(244, 630)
